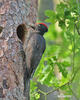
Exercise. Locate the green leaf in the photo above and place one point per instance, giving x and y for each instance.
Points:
(50, 13)
(37, 96)
(66, 64)
(48, 78)
(62, 23)
(62, 69)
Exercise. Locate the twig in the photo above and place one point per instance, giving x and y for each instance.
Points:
(68, 83)
(42, 92)
(77, 29)
(73, 61)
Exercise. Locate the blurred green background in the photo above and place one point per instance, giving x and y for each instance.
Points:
(58, 75)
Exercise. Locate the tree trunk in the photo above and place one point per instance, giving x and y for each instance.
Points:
(12, 14)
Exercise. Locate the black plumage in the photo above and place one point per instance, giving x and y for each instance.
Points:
(34, 46)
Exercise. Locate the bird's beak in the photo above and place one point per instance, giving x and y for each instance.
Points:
(32, 26)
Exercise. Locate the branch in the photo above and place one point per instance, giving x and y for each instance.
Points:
(68, 83)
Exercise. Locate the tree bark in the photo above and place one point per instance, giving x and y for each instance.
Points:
(12, 14)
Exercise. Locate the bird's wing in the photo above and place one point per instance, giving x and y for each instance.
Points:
(35, 49)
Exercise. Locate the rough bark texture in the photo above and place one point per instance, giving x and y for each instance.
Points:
(12, 14)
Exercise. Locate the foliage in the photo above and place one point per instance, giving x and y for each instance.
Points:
(62, 50)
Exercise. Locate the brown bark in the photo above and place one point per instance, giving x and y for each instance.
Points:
(12, 14)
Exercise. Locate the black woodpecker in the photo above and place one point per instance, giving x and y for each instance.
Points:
(34, 46)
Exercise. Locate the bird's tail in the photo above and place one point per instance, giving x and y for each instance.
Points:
(26, 86)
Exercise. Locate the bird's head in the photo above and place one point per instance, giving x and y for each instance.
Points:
(41, 28)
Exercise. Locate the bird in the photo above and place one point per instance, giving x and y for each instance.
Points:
(34, 46)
